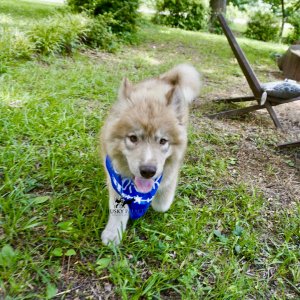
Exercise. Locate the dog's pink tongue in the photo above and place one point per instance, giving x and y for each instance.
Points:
(143, 185)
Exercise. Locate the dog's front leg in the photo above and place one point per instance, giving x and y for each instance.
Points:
(165, 195)
(117, 221)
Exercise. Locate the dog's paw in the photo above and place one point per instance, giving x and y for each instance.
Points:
(111, 236)
(160, 206)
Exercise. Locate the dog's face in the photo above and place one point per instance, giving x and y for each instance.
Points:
(144, 131)
(146, 153)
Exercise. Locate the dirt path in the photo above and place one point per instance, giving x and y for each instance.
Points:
(290, 115)
(259, 163)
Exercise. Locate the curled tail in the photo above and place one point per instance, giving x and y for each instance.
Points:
(187, 78)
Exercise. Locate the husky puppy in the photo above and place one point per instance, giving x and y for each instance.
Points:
(143, 143)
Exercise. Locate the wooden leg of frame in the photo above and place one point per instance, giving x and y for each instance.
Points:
(238, 99)
(289, 145)
(235, 112)
(273, 115)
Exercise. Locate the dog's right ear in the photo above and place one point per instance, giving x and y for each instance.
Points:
(125, 89)
(175, 99)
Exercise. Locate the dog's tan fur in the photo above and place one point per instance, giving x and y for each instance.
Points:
(151, 110)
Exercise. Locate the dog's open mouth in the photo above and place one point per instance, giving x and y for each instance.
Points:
(143, 185)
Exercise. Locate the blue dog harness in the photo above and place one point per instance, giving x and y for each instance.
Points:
(137, 202)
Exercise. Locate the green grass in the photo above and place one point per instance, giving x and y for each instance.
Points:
(27, 9)
(222, 238)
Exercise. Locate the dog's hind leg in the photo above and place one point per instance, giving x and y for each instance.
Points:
(117, 221)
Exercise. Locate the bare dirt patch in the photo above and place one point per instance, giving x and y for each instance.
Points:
(79, 286)
(258, 162)
(289, 114)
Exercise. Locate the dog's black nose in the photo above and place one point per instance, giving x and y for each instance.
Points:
(147, 171)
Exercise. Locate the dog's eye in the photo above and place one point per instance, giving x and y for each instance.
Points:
(163, 141)
(133, 138)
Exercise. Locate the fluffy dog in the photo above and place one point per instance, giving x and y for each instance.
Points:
(143, 143)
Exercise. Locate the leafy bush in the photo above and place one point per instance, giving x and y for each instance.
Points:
(124, 12)
(62, 33)
(14, 44)
(81, 5)
(263, 26)
(294, 36)
(100, 35)
(59, 34)
(191, 15)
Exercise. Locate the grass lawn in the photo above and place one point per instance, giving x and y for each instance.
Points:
(233, 231)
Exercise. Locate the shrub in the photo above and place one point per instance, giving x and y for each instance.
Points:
(186, 14)
(124, 12)
(81, 5)
(263, 26)
(294, 36)
(59, 34)
(14, 44)
(99, 33)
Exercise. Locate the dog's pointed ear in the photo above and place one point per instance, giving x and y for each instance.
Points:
(170, 95)
(172, 79)
(174, 99)
(125, 89)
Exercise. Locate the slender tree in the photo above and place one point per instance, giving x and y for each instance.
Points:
(284, 9)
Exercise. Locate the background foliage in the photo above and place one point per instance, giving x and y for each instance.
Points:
(60, 34)
(285, 11)
(124, 13)
(263, 26)
(294, 36)
(191, 15)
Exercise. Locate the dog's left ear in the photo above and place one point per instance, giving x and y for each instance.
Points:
(174, 98)
(125, 89)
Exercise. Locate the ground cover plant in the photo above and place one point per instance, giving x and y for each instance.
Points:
(233, 231)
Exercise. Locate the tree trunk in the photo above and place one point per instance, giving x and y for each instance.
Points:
(289, 63)
(216, 6)
(282, 19)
